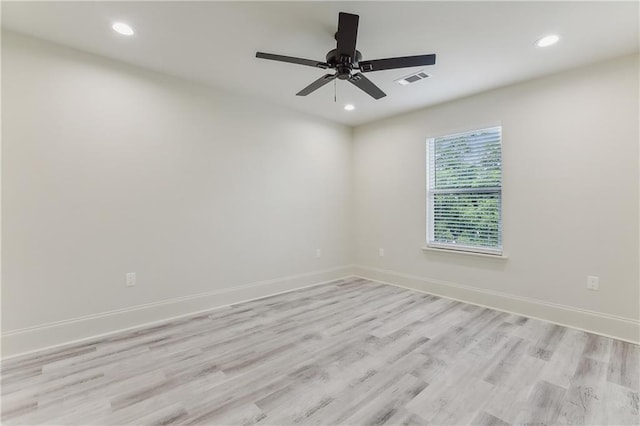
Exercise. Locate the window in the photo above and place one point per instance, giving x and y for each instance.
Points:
(464, 191)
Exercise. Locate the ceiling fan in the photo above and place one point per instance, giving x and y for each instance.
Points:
(344, 59)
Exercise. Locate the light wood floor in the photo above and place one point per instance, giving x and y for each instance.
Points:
(353, 352)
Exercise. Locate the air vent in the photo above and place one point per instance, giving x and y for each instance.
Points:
(412, 78)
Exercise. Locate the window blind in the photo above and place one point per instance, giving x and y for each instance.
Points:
(464, 191)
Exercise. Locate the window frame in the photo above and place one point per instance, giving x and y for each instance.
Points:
(430, 193)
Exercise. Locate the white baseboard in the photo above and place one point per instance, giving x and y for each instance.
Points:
(75, 330)
(627, 329)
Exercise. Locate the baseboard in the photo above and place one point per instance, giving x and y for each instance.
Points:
(627, 329)
(76, 330)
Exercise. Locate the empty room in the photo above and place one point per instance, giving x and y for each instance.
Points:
(320, 213)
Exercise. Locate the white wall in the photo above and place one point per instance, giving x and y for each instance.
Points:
(109, 169)
(570, 152)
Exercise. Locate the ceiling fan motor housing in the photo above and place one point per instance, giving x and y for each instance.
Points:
(343, 64)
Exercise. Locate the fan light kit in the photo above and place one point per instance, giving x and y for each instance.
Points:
(122, 28)
(349, 107)
(345, 58)
(547, 40)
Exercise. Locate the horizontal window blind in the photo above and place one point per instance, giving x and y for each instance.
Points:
(464, 191)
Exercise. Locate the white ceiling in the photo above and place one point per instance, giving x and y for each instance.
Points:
(479, 45)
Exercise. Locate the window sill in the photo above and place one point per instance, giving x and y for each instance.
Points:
(466, 253)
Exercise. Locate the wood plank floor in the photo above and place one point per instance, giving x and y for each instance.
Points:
(354, 352)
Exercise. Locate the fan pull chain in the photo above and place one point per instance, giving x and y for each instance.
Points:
(335, 91)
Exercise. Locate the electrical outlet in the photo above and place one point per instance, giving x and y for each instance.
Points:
(593, 283)
(318, 253)
(131, 279)
(381, 252)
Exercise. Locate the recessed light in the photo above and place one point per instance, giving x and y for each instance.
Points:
(349, 107)
(547, 40)
(122, 28)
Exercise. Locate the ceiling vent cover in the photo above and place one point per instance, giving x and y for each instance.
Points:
(412, 78)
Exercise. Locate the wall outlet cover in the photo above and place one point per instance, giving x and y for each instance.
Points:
(593, 283)
(130, 279)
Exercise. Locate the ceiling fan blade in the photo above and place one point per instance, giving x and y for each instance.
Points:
(292, 60)
(317, 84)
(362, 82)
(347, 34)
(392, 63)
